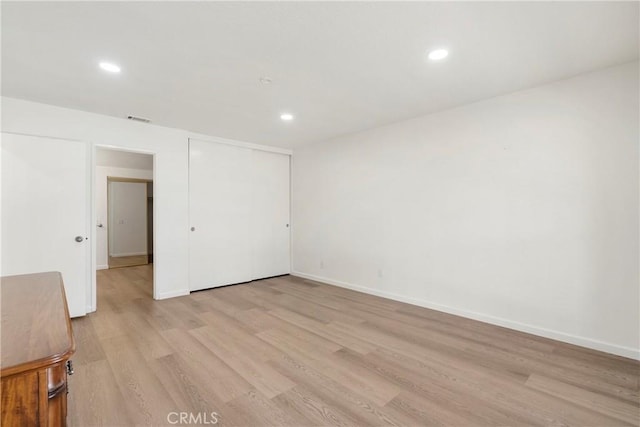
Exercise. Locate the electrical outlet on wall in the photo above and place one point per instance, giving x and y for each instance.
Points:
(380, 273)
(322, 264)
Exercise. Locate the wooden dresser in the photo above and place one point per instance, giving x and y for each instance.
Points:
(37, 342)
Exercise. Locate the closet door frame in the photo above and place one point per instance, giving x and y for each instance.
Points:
(253, 147)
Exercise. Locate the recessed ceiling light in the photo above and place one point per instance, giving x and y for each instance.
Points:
(438, 54)
(108, 66)
(265, 80)
(286, 117)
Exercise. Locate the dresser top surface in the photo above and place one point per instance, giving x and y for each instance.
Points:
(36, 328)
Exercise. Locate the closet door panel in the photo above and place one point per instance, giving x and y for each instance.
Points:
(220, 193)
(270, 214)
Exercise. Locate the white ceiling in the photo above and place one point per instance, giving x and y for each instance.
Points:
(123, 159)
(339, 67)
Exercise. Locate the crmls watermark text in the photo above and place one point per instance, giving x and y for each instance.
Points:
(192, 418)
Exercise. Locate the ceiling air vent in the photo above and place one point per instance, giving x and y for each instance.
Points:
(139, 119)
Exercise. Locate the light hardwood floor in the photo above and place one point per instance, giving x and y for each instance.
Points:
(288, 351)
(128, 261)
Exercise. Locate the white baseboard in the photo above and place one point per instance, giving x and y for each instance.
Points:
(511, 324)
(172, 294)
(102, 267)
(128, 254)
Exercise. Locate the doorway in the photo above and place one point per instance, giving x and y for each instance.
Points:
(130, 221)
(124, 215)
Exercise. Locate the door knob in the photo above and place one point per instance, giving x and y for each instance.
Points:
(79, 239)
(193, 229)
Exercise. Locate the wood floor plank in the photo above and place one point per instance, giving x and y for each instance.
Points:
(435, 318)
(575, 371)
(146, 399)
(94, 397)
(256, 409)
(186, 390)
(493, 388)
(442, 393)
(107, 323)
(328, 389)
(148, 340)
(597, 358)
(310, 309)
(179, 315)
(218, 378)
(300, 400)
(376, 388)
(256, 372)
(603, 404)
(293, 352)
(320, 329)
(258, 319)
(213, 303)
(391, 319)
(86, 338)
(236, 336)
(421, 411)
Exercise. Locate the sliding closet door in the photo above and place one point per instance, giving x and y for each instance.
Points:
(270, 214)
(220, 193)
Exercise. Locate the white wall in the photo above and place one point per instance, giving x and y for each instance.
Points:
(102, 172)
(521, 210)
(123, 159)
(127, 219)
(170, 176)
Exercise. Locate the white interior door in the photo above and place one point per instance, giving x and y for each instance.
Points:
(270, 214)
(44, 209)
(127, 218)
(220, 183)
